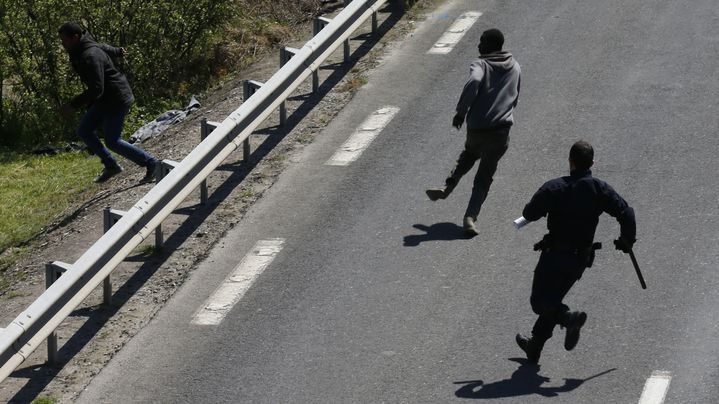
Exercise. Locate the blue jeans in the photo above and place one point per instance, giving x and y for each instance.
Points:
(112, 120)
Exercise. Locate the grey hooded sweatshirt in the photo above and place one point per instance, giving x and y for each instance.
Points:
(491, 93)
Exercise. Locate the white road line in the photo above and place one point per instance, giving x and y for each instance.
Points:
(656, 388)
(363, 136)
(454, 34)
(238, 282)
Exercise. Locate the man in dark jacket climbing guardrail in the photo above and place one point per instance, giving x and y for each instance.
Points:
(108, 98)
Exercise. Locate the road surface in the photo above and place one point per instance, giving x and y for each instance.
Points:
(349, 286)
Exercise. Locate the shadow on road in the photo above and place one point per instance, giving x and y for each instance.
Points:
(437, 232)
(525, 381)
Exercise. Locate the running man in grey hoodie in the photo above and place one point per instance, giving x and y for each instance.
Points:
(487, 102)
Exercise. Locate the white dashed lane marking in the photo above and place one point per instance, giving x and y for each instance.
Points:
(454, 34)
(238, 282)
(655, 390)
(363, 136)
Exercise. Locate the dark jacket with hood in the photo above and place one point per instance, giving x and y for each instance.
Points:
(491, 93)
(106, 86)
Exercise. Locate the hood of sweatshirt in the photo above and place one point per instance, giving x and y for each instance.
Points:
(86, 42)
(499, 60)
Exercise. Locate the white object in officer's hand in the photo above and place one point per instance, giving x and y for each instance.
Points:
(520, 222)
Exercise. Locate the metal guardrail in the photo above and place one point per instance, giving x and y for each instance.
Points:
(65, 293)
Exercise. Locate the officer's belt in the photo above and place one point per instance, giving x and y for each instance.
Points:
(547, 244)
(569, 249)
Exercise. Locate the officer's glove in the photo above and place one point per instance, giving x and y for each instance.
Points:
(624, 245)
(457, 121)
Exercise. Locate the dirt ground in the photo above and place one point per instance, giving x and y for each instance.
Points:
(94, 332)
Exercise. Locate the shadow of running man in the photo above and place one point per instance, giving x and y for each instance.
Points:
(524, 381)
(436, 232)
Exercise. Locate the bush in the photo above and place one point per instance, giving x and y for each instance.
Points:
(167, 42)
(175, 48)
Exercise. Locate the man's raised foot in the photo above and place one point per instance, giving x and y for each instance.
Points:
(574, 325)
(435, 194)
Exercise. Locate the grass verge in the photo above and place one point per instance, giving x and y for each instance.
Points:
(35, 191)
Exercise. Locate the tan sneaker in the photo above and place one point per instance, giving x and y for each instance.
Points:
(469, 228)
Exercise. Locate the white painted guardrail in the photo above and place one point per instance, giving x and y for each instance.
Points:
(39, 321)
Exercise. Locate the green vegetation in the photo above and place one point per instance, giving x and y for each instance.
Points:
(176, 48)
(45, 400)
(147, 250)
(36, 189)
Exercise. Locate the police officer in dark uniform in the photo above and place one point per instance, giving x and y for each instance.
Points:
(572, 205)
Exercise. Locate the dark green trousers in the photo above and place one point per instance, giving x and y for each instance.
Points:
(488, 147)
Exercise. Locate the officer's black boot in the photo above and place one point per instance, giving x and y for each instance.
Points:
(531, 346)
(573, 322)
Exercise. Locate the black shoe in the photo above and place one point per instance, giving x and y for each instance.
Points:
(436, 193)
(532, 348)
(108, 172)
(574, 325)
(151, 172)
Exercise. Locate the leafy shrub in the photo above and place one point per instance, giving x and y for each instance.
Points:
(175, 48)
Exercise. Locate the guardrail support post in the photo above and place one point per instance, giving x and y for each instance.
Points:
(53, 271)
(165, 167)
(346, 50)
(285, 55)
(206, 127)
(246, 149)
(318, 24)
(112, 216)
(109, 218)
(347, 41)
(249, 87)
(374, 22)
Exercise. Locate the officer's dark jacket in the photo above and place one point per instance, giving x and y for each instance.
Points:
(573, 205)
(106, 86)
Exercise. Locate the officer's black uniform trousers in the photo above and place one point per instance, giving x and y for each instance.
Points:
(555, 274)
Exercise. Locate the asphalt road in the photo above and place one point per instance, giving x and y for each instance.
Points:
(376, 296)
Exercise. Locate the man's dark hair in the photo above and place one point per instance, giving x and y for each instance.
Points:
(70, 28)
(582, 155)
(492, 40)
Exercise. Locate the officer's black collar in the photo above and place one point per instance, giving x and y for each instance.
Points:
(580, 173)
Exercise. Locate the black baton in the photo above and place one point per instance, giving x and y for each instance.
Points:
(634, 262)
(636, 268)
